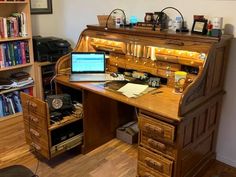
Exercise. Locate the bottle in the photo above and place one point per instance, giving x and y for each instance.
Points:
(209, 28)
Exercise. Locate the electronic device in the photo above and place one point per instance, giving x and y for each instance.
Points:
(60, 102)
(50, 48)
(59, 106)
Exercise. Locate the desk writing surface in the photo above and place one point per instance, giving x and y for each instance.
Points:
(165, 103)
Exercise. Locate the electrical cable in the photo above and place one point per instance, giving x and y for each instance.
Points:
(124, 20)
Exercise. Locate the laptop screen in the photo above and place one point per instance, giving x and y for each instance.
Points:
(87, 62)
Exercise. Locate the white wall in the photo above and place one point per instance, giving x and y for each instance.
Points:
(70, 17)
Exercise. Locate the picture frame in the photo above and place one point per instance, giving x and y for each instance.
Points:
(41, 6)
(199, 27)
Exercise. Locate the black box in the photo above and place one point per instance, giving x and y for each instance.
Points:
(49, 48)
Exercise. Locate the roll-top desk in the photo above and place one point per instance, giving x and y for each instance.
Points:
(178, 132)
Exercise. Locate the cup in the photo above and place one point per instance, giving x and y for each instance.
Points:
(180, 78)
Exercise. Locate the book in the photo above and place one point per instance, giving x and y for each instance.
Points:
(17, 102)
(1, 107)
(16, 56)
(1, 57)
(27, 57)
(23, 25)
(5, 106)
(11, 53)
(22, 49)
(5, 55)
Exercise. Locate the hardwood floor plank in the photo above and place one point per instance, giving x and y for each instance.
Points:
(113, 159)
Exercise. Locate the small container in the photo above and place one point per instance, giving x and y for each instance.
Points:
(148, 17)
(180, 77)
(178, 23)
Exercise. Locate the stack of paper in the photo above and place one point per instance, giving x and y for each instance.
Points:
(132, 90)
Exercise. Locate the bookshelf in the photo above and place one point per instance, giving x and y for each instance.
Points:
(16, 50)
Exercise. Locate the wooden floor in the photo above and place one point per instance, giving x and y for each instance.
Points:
(113, 159)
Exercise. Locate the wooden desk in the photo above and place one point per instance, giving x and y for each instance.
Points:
(165, 104)
(178, 133)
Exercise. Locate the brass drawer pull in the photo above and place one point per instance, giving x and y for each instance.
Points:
(156, 145)
(34, 119)
(154, 129)
(37, 147)
(34, 132)
(146, 174)
(175, 42)
(33, 105)
(154, 164)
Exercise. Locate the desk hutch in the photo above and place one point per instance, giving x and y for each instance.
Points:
(178, 132)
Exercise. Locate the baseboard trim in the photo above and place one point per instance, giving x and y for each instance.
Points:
(226, 160)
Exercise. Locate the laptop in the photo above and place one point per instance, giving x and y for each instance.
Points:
(88, 66)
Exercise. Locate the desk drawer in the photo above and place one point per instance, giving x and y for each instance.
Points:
(44, 151)
(34, 105)
(36, 135)
(158, 146)
(147, 172)
(157, 163)
(156, 129)
(117, 61)
(36, 120)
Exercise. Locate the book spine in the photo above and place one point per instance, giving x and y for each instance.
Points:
(5, 106)
(1, 107)
(17, 102)
(5, 28)
(16, 53)
(19, 52)
(23, 25)
(11, 52)
(1, 57)
(27, 56)
(1, 28)
(22, 49)
(6, 58)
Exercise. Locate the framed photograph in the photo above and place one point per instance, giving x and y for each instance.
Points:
(199, 26)
(41, 6)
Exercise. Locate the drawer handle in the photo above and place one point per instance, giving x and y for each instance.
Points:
(34, 119)
(154, 129)
(34, 132)
(174, 42)
(33, 105)
(156, 145)
(154, 164)
(37, 147)
(146, 174)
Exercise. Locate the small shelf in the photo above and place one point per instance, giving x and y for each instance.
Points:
(8, 39)
(10, 116)
(15, 89)
(16, 67)
(66, 120)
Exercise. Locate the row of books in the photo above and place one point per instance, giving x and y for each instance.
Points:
(10, 103)
(13, 26)
(14, 53)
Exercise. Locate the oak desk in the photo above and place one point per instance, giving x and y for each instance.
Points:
(178, 133)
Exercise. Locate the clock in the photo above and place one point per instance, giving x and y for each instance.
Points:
(57, 103)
